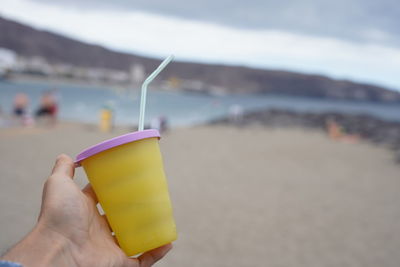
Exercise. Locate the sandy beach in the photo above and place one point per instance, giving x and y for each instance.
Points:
(242, 197)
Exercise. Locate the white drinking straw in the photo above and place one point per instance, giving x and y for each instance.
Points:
(144, 89)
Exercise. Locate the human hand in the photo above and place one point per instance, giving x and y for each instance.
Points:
(71, 232)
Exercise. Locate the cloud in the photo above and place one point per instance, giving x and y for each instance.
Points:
(156, 35)
(355, 20)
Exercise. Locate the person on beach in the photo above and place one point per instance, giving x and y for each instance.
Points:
(20, 114)
(159, 123)
(107, 117)
(236, 114)
(20, 105)
(70, 231)
(336, 132)
(48, 107)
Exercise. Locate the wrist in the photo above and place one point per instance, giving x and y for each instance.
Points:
(41, 247)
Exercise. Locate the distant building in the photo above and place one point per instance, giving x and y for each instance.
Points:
(172, 83)
(8, 60)
(34, 65)
(138, 73)
(194, 85)
(117, 76)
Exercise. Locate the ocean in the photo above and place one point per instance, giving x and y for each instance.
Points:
(83, 103)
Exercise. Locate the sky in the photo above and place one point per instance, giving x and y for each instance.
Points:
(344, 39)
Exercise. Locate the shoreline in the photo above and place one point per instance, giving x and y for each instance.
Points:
(366, 128)
(24, 78)
(137, 86)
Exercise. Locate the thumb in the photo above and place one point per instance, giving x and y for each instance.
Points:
(63, 166)
(151, 257)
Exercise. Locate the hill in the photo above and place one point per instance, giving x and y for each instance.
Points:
(29, 42)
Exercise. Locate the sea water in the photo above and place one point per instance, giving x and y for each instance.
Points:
(83, 103)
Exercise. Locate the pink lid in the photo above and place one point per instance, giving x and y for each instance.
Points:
(116, 141)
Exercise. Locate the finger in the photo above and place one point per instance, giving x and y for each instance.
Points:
(152, 256)
(64, 166)
(89, 192)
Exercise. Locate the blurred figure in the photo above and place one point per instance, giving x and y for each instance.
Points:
(163, 124)
(106, 118)
(236, 114)
(20, 110)
(336, 132)
(20, 105)
(48, 108)
(160, 123)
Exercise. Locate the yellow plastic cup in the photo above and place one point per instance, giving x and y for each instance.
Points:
(128, 178)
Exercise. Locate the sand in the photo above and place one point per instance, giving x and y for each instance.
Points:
(242, 197)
